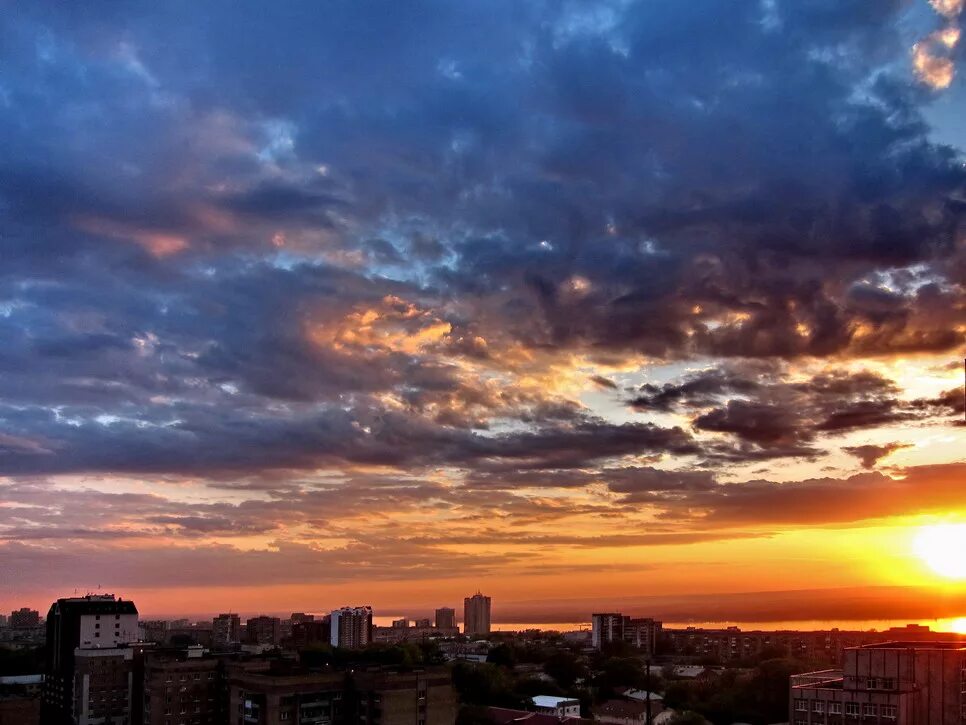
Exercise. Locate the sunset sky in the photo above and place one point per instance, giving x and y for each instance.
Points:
(313, 303)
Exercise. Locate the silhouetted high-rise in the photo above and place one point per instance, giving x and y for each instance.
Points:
(446, 618)
(89, 666)
(476, 615)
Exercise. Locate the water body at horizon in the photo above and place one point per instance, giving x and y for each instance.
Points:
(952, 624)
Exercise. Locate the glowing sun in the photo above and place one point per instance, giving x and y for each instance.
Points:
(943, 548)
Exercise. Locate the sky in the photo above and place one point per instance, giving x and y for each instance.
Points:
(313, 303)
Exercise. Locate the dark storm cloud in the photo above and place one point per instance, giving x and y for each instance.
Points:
(201, 206)
(770, 415)
(870, 454)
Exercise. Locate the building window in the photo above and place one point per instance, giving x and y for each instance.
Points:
(887, 683)
(851, 708)
(835, 708)
(889, 712)
(868, 710)
(818, 706)
(801, 706)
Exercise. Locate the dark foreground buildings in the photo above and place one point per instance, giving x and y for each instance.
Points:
(89, 674)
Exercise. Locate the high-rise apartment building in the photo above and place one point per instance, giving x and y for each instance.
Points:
(642, 633)
(225, 631)
(24, 618)
(351, 627)
(89, 667)
(263, 630)
(476, 615)
(608, 627)
(899, 683)
(445, 618)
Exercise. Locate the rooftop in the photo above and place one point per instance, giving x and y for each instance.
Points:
(914, 645)
(551, 701)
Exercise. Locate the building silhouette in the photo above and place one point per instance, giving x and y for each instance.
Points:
(445, 618)
(89, 669)
(476, 615)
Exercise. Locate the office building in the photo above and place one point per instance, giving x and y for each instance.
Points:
(445, 618)
(607, 628)
(351, 627)
(89, 666)
(263, 630)
(182, 686)
(225, 631)
(24, 618)
(901, 683)
(476, 615)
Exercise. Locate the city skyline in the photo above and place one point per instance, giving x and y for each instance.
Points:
(305, 304)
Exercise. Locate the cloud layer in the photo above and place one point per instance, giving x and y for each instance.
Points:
(563, 268)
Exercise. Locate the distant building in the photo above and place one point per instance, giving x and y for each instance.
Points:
(446, 618)
(315, 632)
(299, 617)
(731, 643)
(556, 706)
(24, 618)
(263, 630)
(476, 615)
(423, 623)
(608, 627)
(3, 621)
(89, 666)
(400, 624)
(642, 633)
(351, 627)
(153, 630)
(225, 631)
(904, 683)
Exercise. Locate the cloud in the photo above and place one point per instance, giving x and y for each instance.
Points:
(870, 455)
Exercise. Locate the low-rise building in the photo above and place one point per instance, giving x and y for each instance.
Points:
(557, 706)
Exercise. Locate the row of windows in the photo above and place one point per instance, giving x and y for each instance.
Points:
(850, 708)
(881, 683)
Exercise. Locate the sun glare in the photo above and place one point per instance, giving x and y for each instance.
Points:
(943, 548)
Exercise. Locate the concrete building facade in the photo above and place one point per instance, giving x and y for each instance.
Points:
(906, 683)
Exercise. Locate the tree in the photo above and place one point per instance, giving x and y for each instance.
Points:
(502, 655)
(687, 718)
(565, 669)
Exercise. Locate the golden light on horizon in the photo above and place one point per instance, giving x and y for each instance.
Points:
(943, 549)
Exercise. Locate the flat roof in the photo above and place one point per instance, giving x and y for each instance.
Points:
(552, 701)
(907, 644)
